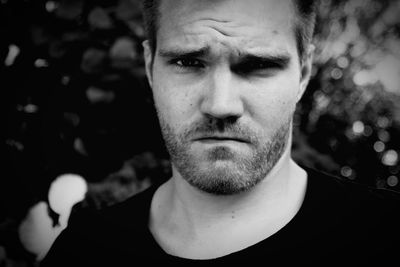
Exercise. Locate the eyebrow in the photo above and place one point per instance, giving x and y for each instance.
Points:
(179, 52)
(281, 59)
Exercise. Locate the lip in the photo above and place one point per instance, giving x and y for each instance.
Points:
(216, 139)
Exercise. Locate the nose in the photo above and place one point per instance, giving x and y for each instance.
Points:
(222, 99)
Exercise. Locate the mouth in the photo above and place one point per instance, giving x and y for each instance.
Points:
(215, 139)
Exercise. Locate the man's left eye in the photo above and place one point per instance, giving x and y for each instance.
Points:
(256, 66)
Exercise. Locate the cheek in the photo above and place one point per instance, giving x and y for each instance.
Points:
(273, 106)
(172, 104)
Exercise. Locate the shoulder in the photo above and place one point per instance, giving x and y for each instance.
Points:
(345, 187)
(126, 214)
(101, 235)
(358, 222)
(354, 203)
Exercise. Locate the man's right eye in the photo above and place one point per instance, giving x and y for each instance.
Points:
(187, 63)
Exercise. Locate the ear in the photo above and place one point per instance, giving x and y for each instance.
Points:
(306, 69)
(148, 61)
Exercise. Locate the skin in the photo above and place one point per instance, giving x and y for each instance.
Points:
(226, 78)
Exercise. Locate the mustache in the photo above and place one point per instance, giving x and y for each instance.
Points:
(217, 127)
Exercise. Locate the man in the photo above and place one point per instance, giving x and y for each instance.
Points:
(226, 76)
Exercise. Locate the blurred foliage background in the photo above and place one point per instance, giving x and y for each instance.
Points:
(76, 101)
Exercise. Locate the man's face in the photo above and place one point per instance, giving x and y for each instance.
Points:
(226, 78)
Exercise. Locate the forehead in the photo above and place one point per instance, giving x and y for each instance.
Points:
(245, 24)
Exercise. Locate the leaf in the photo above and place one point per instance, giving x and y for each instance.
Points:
(128, 9)
(93, 60)
(98, 18)
(69, 10)
(36, 231)
(137, 28)
(123, 53)
(123, 48)
(98, 95)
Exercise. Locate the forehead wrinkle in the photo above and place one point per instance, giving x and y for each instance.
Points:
(220, 45)
(223, 32)
(216, 46)
(198, 10)
(207, 26)
(224, 27)
(215, 34)
(244, 31)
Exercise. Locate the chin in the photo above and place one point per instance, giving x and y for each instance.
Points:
(222, 177)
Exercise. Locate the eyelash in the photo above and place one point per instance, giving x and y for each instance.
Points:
(249, 67)
(193, 63)
(244, 68)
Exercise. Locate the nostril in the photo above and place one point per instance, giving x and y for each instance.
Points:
(223, 123)
(231, 119)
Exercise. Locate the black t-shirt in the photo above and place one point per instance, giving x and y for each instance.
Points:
(339, 224)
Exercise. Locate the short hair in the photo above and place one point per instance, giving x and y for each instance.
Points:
(303, 29)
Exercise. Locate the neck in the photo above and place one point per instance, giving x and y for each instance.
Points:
(202, 206)
(192, 216)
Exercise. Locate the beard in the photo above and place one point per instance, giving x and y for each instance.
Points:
(221, 170)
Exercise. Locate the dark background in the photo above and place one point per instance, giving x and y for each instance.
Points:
(75, 100)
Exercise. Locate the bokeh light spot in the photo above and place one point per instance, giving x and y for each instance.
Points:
(392, 181)
(13, 52)
(346, 171)
(50, 6)
(390, 158)
(65, 191)
(384, 136)
(358, 127)
(364, 77)
(379, 146)
(41, 63)
(343, 62)
(336, 74)
(383, 122)
(368, 130)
